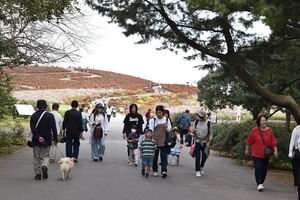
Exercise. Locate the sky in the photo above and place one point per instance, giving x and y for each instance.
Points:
(110, 50)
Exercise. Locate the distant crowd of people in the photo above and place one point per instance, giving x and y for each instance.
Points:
(157, 142)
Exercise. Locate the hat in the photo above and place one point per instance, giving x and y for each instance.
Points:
(148, 130)
(187, 111)
(174, 129)
(99, 105)
(41, 104)
(202, 113)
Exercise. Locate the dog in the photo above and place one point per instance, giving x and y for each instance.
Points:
(66, 165)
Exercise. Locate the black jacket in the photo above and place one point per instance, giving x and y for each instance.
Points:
(46, 128)
(73, 122)
(133, 120)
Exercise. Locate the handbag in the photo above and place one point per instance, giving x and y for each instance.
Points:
(268, 151)
(29, 142)
(192, 151)
(98, 132)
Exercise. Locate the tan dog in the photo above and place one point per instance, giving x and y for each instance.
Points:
(66, 165)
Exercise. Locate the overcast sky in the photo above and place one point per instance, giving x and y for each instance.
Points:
(112, 51)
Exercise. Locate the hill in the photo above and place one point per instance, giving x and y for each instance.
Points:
(45, 78)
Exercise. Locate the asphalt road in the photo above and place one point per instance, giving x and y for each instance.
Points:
(113, 179)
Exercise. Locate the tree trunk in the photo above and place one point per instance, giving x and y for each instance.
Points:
(285, 101)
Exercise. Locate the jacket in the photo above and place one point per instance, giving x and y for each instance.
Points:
(73, 122)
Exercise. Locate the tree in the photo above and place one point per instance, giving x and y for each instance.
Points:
(38, 31)
(6, 99)
(218, 90)
(218, 31)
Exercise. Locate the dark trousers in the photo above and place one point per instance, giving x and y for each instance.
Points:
(163, 151)
(182, 133)
(200, 156)
(296, 173)
(108, 118)
(261, 169)
(72, 146)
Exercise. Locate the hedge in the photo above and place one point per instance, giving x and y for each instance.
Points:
(230, 139)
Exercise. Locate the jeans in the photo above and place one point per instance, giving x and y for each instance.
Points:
(163, 157)
(261, 169)
(72, 146)
(200, 156)
(97, 148)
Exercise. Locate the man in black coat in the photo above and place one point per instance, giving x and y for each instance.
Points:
(72, 126)
(44, 134)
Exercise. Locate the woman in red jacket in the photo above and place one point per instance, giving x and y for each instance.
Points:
(260, 137)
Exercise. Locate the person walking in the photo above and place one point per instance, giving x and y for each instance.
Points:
(135, 121)
(133, 143)
(184, 123)
(58, 122)
(44, 134)
(99, 130)
(72, 127)
(85, 119)
(202, 134)
(261, 138)
(161, 127)
(108, 113)
(176, 150)
(148, 117)
(294, 155)
(147, 151)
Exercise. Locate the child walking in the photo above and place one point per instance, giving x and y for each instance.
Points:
(147, 150)
(133, 143)
(176, 150)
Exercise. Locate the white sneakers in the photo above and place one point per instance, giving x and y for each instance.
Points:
(198, 174)
(202, 171)
(155, 174)
(260, 188)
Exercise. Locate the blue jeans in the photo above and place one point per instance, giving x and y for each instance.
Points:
(97, 148)
(72, 146)
(147, 162)
(163, 151)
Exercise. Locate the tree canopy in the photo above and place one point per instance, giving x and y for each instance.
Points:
(220, 32)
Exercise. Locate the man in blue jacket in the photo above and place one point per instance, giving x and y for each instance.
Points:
(44, 134)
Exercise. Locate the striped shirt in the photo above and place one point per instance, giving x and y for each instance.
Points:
(147, 148)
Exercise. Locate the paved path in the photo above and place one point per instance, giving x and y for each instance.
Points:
(114, 180)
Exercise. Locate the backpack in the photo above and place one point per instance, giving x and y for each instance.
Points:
(183, 123)
(208, 126)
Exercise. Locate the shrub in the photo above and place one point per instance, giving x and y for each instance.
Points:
(231, 139)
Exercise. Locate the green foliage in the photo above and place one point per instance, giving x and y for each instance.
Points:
(231, 140)
(6, 99)
(12, 140)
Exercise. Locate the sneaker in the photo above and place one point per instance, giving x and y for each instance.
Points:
(143, 172)
(147, 175)
(164, 175)
(100, 159)
(45, 172)
(96, 160)
(155, 174)
(38, 177)
(75, 160)
(135, 165)
(202, 171)
(260, 188)
(198, 174)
